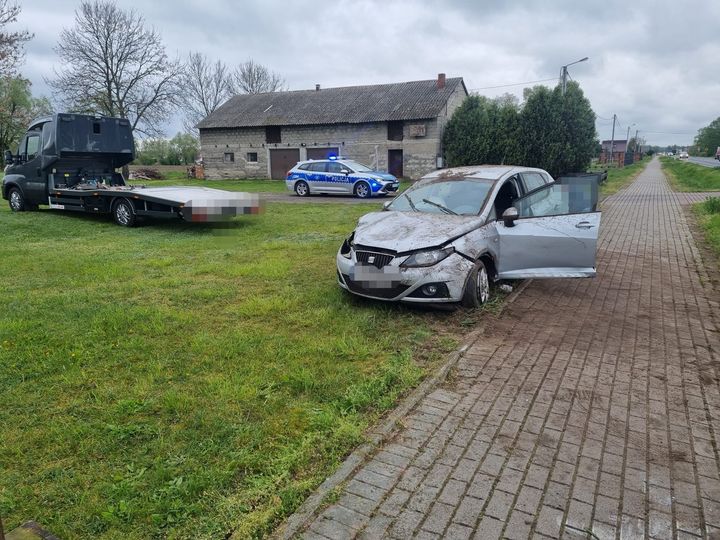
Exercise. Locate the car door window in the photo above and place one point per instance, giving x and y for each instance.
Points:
(554, 200)
(506, 196)
(334, 167)
(317, 167)
(533, 181)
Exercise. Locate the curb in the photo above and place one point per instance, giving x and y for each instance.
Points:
(377, 435)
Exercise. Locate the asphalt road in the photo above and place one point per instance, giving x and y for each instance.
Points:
(704, 161)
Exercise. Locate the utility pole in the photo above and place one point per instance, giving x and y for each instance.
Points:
(563, 79)
(636, 140)
(612, 139)
(627, 146)
(564, 74)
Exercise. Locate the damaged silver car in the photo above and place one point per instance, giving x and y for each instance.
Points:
(454, 232)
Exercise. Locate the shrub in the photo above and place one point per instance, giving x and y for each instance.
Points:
(712, 205)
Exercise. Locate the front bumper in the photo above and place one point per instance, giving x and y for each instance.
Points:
(394, 283)
(386, 189)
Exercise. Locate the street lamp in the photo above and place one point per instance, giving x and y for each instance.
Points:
(564, 73)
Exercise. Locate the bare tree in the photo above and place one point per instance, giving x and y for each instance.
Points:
(205, 86)
(253, 78)
(113, 64)
(11, 43)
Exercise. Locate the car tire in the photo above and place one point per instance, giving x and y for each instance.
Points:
(124, 213)
(16, 200)
(477, 287)
(362, 190)
(302, 189)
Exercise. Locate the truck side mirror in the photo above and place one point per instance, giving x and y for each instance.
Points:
(509, 216)
(8, 157)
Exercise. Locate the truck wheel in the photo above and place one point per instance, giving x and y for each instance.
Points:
(477, 287)
(124, 213)
(16, 200)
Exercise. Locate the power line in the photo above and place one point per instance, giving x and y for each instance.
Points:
(669, 132)
(513, 84)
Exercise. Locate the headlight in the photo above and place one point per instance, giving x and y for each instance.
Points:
(346, 247)
(427, 258)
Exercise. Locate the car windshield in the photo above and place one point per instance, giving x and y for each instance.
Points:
(357, 167)
(462, 197)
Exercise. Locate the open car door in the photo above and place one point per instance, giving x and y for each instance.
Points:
(554, 235)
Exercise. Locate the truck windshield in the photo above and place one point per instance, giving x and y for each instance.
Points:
(462, 197)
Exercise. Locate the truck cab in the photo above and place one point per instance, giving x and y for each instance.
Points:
(63, 151)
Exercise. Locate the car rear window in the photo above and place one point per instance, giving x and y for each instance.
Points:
(533, 181)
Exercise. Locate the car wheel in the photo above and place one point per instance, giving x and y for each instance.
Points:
(362, 190)
(16, 200)
(124, 213)
(477, 287)
(302, 189)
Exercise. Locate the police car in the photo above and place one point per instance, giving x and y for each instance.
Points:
(338, 175)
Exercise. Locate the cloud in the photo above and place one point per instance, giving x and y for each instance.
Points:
(653, 63)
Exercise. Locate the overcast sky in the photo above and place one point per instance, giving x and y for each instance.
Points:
(654, 63)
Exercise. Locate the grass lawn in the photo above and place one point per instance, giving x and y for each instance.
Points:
(619, 178)
(708, 218)
(189, 381)
(684, 176)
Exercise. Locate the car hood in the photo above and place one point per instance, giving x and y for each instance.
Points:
(408, 231)
(387, 177)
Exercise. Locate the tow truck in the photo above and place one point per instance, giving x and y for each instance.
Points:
(70, 161)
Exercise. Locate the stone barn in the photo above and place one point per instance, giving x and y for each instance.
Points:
(392, 127)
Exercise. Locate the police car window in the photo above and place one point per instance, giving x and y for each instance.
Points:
(317, 167)
(334, 167)
(304, 167)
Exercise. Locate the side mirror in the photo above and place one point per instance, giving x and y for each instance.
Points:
(8, 157)
(345, 171)
(386, 204)
(509, 216)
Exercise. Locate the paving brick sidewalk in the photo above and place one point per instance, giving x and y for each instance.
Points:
(696, 197)
(589, 405)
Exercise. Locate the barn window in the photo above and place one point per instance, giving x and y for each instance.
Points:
(229, 157)
(395, 131)
(252, 157)
(273, 134)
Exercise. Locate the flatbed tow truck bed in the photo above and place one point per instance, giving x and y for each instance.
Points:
(197, 204)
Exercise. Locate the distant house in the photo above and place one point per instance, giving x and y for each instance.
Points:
(618, 151)
(396, 127)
